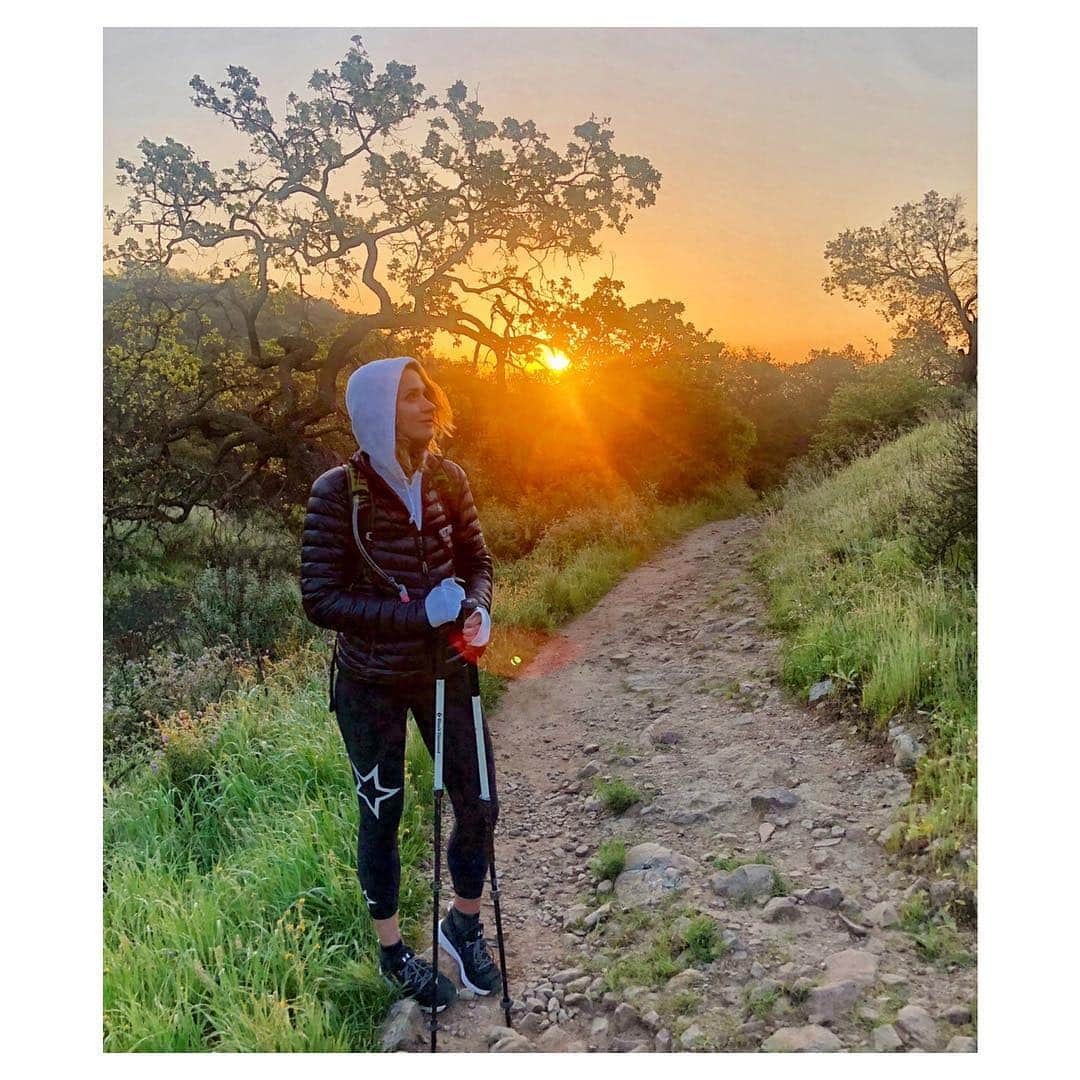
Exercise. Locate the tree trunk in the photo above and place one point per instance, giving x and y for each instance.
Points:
(969, 370)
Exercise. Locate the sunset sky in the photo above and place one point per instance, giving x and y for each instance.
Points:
(770, 141)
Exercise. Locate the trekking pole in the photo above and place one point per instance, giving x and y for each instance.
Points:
(485, 798)
(440, 715)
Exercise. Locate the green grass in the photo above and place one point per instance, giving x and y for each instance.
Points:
(851, 601)
(684, 1003)
(233, 918)
(617, 795)
(610, 858)
(642, 947)
(703, 939)
(936, 937)
(733, 862)
(760, 1003)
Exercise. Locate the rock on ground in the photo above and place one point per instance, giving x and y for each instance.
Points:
(514, 1044)
(745, 882)
(858, 965)
(961, 1044)
(827, 1002)
(404, 1027)
(811, 1039)
(918, 1026)
(773, 801)
(651, 872)
(885, 1040)
(689, 979)
(781, 909)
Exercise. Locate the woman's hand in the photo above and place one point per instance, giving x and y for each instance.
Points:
(443, 603)
(477, 628)
(472, 626)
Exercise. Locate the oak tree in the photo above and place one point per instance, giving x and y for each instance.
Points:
(445, 220)
(920, 267)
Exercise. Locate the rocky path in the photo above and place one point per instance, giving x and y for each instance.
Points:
(670, 684)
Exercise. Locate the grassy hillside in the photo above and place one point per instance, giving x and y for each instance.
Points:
(854, 600)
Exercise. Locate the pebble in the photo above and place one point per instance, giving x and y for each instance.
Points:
(882, 915)
(598, 915)
(885, 1040)
(773, 800)
(827, 1002)
(689, 979)
(829, 898)
(961, 1044)
(859, 965)
(781, 909)
(530, 1024)
(811, 1038)
(916, 1024)
(958, 1014)
(745, 882)
(574, 915)
(625, 1017)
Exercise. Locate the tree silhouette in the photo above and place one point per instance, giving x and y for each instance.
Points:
(920, 267)
(453, 234)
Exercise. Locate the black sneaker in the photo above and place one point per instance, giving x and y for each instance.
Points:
(478, 971)
(413, 976)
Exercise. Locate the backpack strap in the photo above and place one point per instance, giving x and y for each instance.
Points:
(360, 496)
(362, 520)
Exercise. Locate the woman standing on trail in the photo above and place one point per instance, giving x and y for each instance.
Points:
(418, 523)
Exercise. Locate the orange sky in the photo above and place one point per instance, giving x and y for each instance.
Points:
(770, 141)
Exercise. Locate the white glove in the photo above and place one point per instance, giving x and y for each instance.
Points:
(483, 635)
(443, 603)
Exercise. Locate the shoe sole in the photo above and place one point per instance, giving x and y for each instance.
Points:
(445, 942)
(426, 1008)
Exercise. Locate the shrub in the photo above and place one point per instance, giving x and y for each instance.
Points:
(703, 939)
(248, 608)
(617, 795)
(945, 516)
(137, 692)
(609, 860)
(187, 748)
(875, 405)
(141, 613)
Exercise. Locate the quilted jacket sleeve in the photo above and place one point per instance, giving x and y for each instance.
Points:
(326, 564)
(472, 560)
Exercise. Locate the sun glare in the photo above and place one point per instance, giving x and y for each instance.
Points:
(557, 361)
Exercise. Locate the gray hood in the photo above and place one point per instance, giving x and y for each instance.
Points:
(371, 401)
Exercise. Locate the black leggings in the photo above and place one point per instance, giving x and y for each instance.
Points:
(372, 717)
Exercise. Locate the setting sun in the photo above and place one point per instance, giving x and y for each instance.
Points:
(557, 361)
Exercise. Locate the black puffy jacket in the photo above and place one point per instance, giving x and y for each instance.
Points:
(380, 638)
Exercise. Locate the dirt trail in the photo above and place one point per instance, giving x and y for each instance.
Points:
(670, 683)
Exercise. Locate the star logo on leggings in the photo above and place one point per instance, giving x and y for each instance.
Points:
(371, 791)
